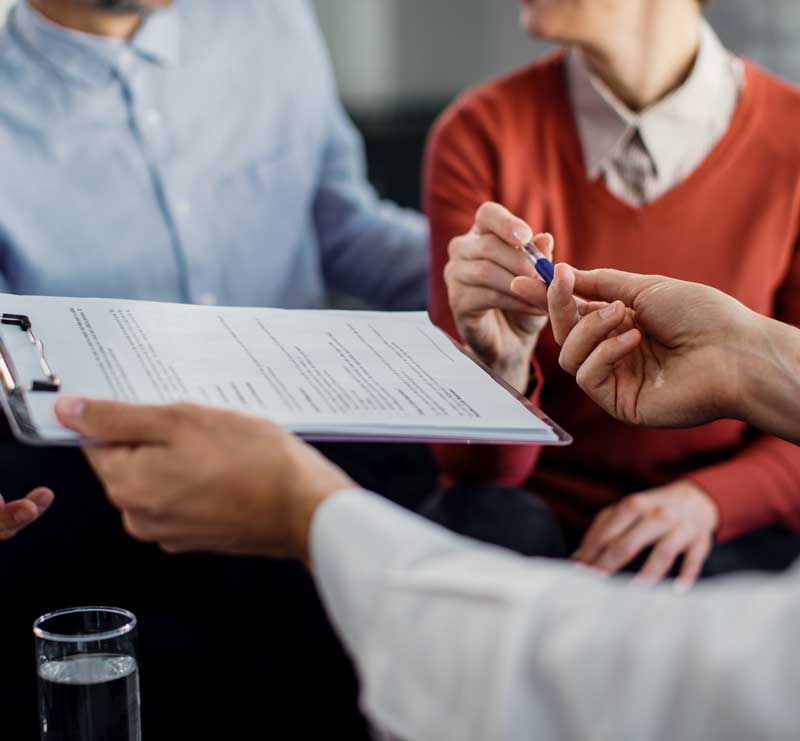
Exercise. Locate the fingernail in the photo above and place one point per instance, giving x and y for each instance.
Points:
(24, 516)
(42, 499)
(628, 338)
(521, 235)
(608, 311)
(70, 407)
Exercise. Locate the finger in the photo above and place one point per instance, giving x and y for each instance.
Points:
(109, 462)
(623, 549)
(532, 291)
(599, 366)
(663, 557)
(15, 516)
(42, 498)
(612, 285)
(485, 299)
(489, 247)
(588, 307)
(140, 527)
(587, 334)
(113, 421)
(492, 218)
(485, 274)
(605, 529)
(692, 564)
(561, 303)
(586, 548)
(133, 477)
(175, 548)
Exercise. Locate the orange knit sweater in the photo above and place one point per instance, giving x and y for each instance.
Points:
(732, 224)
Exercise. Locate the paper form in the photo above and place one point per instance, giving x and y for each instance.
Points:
(357, 375)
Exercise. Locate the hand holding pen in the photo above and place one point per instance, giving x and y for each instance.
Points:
(500, 327)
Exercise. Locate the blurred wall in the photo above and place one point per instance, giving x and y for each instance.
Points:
(389, 52)
(418, 52)
(399, 62)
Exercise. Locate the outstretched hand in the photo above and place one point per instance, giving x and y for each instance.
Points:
(17, 515)
(652, 351)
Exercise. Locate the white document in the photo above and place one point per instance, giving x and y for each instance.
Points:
(321, 374)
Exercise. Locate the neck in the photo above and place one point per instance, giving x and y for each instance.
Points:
(78, 16)
(651, 56)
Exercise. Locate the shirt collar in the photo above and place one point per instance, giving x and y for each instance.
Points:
(94, 60)
(606, 125)
(159, 38)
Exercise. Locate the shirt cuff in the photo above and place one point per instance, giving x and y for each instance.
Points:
(356, 536)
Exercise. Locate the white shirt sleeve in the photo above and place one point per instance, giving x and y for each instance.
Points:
(455, 641)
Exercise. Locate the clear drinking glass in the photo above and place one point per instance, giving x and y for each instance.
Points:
(88, 675)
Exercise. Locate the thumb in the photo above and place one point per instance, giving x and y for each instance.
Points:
(612, 285)
(561, 303)
(113, 421)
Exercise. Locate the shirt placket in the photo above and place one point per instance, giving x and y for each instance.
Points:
(149, 127)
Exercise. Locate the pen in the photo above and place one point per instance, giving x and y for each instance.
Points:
(543, 266)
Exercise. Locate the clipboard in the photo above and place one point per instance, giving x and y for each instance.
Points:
(14, 388)
(29, 381)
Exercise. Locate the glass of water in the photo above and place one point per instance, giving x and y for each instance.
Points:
(88, 675)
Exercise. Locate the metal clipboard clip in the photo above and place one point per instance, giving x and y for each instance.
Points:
(50, 383)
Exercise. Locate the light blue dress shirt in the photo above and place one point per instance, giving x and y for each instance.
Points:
(207, 160)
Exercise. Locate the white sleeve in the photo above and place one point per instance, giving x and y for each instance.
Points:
(455, 641)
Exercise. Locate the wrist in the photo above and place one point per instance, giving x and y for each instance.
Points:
(301, 518)
(744, 364)
(516, 371)
(313, 480)
(767, 368)
(516, 375)
(709, 510)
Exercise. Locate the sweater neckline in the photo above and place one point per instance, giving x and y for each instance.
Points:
(744, 115)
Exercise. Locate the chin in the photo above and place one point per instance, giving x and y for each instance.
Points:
(126, 7)
(537, 22)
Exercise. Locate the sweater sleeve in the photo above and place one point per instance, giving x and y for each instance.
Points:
(760, 486)
(460, 175)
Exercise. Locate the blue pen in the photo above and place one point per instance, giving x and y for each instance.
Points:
(543, 266)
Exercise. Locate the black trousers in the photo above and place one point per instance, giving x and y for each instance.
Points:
(228, 647)
(515, 519)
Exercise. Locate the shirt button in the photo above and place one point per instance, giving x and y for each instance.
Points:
(152, 118)
(208, 299)
(184, 208)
